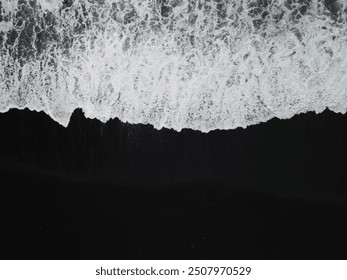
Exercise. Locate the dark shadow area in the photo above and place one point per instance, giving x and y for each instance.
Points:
(118, 191)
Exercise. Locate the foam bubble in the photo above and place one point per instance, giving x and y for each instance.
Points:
(178, 64)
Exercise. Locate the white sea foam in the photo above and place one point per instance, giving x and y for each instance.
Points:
(178, 64)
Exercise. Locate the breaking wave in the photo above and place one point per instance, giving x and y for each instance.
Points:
(204, 65)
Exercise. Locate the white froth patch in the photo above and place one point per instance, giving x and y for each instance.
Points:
(51, 5)
(216, 65)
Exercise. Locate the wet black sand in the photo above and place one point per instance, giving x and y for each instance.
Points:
(277, 190)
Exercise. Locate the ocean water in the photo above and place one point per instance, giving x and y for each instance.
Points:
(203, 65)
